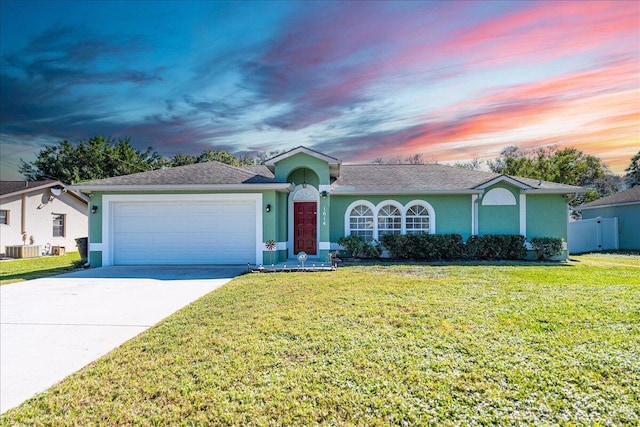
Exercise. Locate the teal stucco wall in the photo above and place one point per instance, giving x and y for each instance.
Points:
(285, 167)
(452, 212)
(547, 216)
(501, 219)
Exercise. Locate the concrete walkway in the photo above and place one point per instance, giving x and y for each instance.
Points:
(52, 327)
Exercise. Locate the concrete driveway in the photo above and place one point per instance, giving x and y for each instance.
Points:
(52, 327)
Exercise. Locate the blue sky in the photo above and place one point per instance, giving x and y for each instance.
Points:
(451, 81)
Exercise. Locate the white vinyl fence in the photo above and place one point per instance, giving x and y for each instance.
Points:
(595, 234)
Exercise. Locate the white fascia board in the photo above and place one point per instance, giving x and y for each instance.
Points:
(338, 191)
(611, 205)
(554, 191)
(504, 178)
(331, 160)
(30, 189)
(172, 187)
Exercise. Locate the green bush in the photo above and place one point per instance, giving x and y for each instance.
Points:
(358, 247)
(431, 247)
(424, 246)
(547, 247)
(496, 247)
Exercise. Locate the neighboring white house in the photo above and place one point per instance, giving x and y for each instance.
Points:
(44, 210)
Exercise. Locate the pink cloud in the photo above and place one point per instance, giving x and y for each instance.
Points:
(593, 110)
(542, 30)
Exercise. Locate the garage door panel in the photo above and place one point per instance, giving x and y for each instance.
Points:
(220, 232)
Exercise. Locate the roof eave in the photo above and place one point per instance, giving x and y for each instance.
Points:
(507, 178)
(339, 192)
(87, 189)
(332, 161)
(555, 190)
(30, 189)
(608, 205)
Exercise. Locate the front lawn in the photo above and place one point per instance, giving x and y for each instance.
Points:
(378, 345)
(18, 270)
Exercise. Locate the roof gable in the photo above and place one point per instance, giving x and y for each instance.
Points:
(503, 178)
(334, 164)
(331, 160)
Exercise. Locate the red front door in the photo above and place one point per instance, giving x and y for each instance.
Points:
(304, 227)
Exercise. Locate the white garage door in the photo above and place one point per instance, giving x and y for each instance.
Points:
(211, 232)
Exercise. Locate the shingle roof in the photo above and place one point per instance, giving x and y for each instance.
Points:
(628, 196)
(424, 177)
(352, 179)
(207, 173)
(17, 187)
(260, 170)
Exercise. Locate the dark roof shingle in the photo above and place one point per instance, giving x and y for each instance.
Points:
(10, 187)
(628, 196)
(423, 177)
(196, 174)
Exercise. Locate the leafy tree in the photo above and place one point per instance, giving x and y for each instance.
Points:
(221, 156)
(566, 166)
(94, 158)
(182, 160)
(263, 156)
(632, 177)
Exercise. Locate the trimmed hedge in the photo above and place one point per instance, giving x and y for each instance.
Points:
(434, 247)
(431, 247)
(547, 247)
(358, 247)
(424, 246)
(496, 247)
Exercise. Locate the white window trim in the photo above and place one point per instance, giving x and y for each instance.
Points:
(347, 216)
(7, 217)
(64, 225)
(375, 209)
(376, 214)
(428, 207)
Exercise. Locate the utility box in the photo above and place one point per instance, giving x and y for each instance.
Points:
(58, 250)
(23, 251)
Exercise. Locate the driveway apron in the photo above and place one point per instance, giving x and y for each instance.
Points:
(52, 327)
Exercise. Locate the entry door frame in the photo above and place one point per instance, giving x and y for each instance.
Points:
(303, 194)
(309, 212)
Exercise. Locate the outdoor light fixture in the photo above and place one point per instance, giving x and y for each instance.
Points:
(304, 178)
(94, 209)
(324, 194)
(268, 208)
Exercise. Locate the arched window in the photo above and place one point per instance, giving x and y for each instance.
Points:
(417, 220)
(361, 222)
(389, 220)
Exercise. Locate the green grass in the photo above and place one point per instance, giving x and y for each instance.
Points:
(18, 270)
(378, 345)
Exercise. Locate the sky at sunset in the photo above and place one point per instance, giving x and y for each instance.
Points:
(451, 81)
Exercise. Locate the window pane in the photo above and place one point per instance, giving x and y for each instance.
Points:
(389, 220)
(4, 217)
(361, 222)
(417, 220)
(58, 225)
